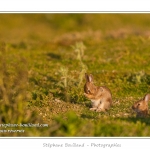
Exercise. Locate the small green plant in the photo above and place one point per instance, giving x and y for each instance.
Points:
(79, 48)
(13, 89)
(65, 82)
(72, 86)
(14, 93)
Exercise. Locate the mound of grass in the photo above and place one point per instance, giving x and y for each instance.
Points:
(43, 59)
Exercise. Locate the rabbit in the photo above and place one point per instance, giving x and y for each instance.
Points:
(101, 97)
(141, 106)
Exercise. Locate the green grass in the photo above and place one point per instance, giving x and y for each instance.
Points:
(43, 61)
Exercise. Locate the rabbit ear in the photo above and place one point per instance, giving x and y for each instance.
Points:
(89, 78)
(147, 97)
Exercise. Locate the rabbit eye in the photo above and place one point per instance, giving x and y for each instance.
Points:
(88, 91)
(138, 104)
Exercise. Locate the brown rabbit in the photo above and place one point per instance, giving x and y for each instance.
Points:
(141, 106)
(100, 97)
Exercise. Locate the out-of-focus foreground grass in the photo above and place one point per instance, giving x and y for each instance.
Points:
(43, 58)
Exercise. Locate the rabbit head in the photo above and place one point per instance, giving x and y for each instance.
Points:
(141, 106)
(89, 87)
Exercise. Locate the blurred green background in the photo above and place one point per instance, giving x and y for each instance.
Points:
(43, 61)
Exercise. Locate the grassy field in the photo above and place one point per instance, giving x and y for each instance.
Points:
(43, 61)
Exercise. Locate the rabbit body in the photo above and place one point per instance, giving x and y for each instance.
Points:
(141, 106)
(101, 98)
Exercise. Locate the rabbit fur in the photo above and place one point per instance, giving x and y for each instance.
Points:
(141, 106)
(100, 96)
